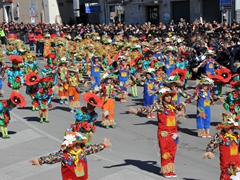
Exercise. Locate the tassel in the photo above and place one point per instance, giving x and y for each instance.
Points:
(208, 155)
(133, 111)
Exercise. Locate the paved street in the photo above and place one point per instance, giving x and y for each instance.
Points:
(133, 156)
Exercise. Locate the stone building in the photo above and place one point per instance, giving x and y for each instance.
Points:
(106, 11)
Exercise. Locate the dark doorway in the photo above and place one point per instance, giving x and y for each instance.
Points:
(213, 13)
(153, 14)
(180, 9)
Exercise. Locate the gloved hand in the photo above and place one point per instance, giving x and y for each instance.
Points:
(71, 98)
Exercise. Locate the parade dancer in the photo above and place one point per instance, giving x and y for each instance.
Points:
(228, 142)
(176, 83)
(168, 137)
(169, 60)
(50, 69)
(209, 63)
(123, 78)
(73, 90)
(47, 44)
(221, 77)
(15, 99)
(32, 80)
(149, 90)
(232, 102)
(107, 96)
(30, 64)
(72, 156)
(3, 69)
(43, 98)
(62, 81)
(204, 99)
(96, 68)
(86, 117)
(15, 73)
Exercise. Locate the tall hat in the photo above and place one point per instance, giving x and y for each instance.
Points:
(47, 35)
(78, 38)
(205, 81)
(107, 76)
(71, 138)
(164, 91)
(50, 58)
(168, 48)
(30, 57)
(235, 83)
(73, 69)
(15, 59)
(68, 37)
(149, 71)
(32, 79)
(210, 52)
(229, 121)
(63, 60)
(17, 99)
(122, 58)
(92, 100)
(221, 75)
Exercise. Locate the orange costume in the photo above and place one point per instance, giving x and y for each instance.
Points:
(107, 95)
(73, 90)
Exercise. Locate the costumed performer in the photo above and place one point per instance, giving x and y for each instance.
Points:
(228, 142)
(43, 98)
(107, 95)
(15, 99)
(62, 73)
(232, 101)
(15, 73)
(204, 99)
(72, 156)
(168, 137)
(86, 117)
(32, 80)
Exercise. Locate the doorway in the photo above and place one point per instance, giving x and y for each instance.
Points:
(153, 14)
(8, 12)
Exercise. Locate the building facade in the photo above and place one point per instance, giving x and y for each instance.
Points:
(107, 11)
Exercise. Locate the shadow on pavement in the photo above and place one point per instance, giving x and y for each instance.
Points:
(214, 123)
(191, 132)
(26, 107)
(12, 132)
(148, 122)
(149, 166)
(34, 118)
(60, 108)
(139, 115)
(136, 102)
(191, 116)
(190, 179)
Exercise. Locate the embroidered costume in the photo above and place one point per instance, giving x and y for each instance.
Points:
(228, 142)
(72, 156)
(15, 99)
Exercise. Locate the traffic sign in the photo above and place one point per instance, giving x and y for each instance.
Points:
(225, 3)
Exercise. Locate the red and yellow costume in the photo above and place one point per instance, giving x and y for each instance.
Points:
(167, 133)
(228, 143)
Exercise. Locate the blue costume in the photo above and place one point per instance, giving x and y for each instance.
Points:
(96, 75)
(148, 86)
(204, 100)
(170, 65)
